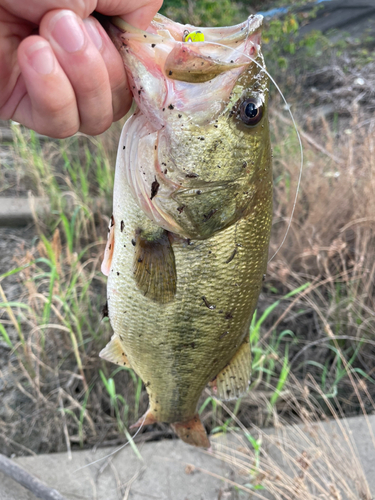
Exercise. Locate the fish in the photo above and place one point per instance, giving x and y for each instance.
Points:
(188, 239)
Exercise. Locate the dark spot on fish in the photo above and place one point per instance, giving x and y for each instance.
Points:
(244, 164)
(188, 241)
(105, 310)
(202, 138)
(124, 246)
(209, 215)
(207, 304)
(228, 392)
(193, 345)
(232, 256)
(264, 277)
(139, 91)
(223, 335)
(171, 106)
(110, 246)
(163, 109)
(164, 164)
(147, 384)
(170, 73)
(118, 274)
(154, 188)
(199, 191)
(145, 36)
(112, 221)
(229, 315)
(122, 225)
(153, 45)
(192, 176)
(140, 259)
(156, 146)
(180, 116)
(216, 126)
(180, 209)
(232, 61)
(123, 147)
(165, 171)
(133, 243)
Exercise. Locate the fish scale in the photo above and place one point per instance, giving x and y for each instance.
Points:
(186, 254)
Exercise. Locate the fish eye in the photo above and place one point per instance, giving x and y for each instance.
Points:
(251, 111)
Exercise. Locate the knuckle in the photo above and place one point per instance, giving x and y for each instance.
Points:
(95, 126)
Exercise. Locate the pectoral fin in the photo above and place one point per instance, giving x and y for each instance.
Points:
(233, 381)
(154, 266)
(114, 352)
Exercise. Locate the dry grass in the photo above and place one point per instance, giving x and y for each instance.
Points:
(310, 459)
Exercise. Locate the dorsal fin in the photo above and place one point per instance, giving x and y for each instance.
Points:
(233, 381)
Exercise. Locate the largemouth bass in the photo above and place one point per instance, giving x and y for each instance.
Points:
(188, 240)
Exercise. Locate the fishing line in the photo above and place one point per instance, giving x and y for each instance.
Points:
(113, 452)
(297, 133)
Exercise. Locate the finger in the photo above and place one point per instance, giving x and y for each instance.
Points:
(121, 95)
(43, 98)
(34, 10)
(80, 59)
(142, 15)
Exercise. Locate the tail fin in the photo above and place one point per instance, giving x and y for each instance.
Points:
(192, 432)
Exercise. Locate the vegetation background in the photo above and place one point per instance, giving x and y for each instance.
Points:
(312, 335)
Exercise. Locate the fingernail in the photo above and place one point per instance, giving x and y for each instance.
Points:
(93, 32)
(67, 31)
(41, 58)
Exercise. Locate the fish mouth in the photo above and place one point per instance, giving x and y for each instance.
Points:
(161, 27)
(217, 51)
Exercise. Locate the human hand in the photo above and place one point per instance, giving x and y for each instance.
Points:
(59, 71)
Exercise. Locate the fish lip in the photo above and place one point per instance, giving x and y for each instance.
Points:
(225, 35)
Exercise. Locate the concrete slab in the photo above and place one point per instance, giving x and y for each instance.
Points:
(15, 212)
(165, 474)
(171, 470)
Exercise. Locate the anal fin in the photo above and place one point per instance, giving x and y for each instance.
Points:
(192, 432)
(154, 266)
(233, 381)
(114, 352)
(147, 419)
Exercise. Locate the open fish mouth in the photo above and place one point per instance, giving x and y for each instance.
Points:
(204, 59)
(183, 165)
